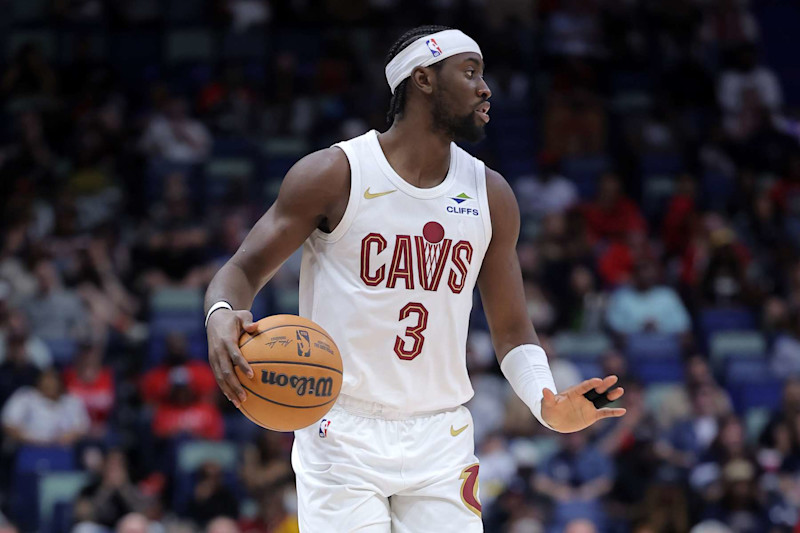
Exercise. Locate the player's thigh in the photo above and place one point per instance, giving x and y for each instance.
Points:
(443, 475)
(447, 504)
(324, 506)
(338, 469)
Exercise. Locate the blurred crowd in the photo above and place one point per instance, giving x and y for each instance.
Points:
(655, 154)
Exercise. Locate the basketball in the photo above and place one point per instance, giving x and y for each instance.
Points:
(297, 373)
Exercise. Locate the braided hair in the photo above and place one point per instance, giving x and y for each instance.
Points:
(398, 102)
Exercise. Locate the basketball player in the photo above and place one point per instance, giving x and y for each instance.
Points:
(396, 229)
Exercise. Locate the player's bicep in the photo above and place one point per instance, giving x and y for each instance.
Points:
(308, 191)
(500, 279)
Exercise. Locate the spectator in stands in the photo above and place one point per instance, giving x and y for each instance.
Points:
(747, 86)
(109, 301)
(782, 422)
(55, 312)
(175, 136)
(631, 445)
(574, 30)
(580, 525)
(273, 515)
(45, 415)
(730, 445)
(211, 498)
(88, 379)
(174, 240)
(228, 103)
(16, 324)
(112, 495)
(645, 306)
(223, 524)
(548, 192)
(786, 349)
(17, 370)
(681, 215)
(133, 523)
(585, 306)
(616, 262)
(28, 75)
(575, 123)
(666, 505)
(155, 386)
(728, 23)
(184, 414)
(613, 362)
(739, 507)
(265, 461)
(688, 439)
(576, 478)
(785, 193)
(612, 215)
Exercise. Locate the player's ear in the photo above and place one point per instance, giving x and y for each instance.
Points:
(422, 78)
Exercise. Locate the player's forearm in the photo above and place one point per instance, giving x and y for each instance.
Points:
(232, 285)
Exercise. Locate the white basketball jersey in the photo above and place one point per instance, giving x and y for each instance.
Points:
(393, 282)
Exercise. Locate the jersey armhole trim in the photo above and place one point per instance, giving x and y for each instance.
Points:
(352, 199)
(483, 199)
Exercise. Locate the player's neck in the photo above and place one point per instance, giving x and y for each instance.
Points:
(418, 155)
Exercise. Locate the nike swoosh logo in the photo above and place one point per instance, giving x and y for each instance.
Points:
(370, 195)
(457, 432)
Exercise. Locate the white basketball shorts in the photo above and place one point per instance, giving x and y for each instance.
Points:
(367, 469)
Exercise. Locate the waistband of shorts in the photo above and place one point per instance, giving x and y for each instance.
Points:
(378, 410)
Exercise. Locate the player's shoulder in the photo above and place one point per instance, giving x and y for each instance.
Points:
(499, 191)
(328, 162)
(324, 172)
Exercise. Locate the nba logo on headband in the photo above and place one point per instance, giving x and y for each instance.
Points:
(426, 51)
(434, 48)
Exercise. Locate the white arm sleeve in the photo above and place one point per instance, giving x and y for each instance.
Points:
(526, 368)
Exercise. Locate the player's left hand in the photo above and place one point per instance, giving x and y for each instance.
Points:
(570, 411)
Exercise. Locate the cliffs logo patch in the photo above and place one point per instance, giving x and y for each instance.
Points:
(302, 385)
(461, 198)
(323, 428)
(303, 344)
(433, 47)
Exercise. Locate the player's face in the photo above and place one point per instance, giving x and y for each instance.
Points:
(461, 106)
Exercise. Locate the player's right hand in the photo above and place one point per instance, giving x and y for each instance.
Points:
(224, 329)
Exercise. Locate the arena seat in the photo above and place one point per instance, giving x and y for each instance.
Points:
(713, 320)
(30, 463)
(652, 345)
(55, 488)
(734, 343)
(581, 345)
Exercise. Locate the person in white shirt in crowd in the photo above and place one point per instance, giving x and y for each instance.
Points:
(45, 415)
(55, 312)
(746, 86)
(646, 305)
(547, 193)
(176, 136)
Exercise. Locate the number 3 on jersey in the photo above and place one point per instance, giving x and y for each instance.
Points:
(414, 332)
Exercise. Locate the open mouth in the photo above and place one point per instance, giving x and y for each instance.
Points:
(483, 111)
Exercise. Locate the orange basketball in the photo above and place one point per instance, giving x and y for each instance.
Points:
(297, 373)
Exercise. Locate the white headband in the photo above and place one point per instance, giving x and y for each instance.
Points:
(426, 51)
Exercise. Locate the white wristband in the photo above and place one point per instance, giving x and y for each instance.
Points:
(222, 304)
(526, 368)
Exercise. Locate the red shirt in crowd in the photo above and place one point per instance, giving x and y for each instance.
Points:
(200, 420)
(155, 383)
(97, 395)
(617, 221)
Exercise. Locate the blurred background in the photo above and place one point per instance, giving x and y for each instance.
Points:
(654, 150)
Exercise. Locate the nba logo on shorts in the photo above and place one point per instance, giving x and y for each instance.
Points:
(434, 48)
(323, 428)
(303, 344)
